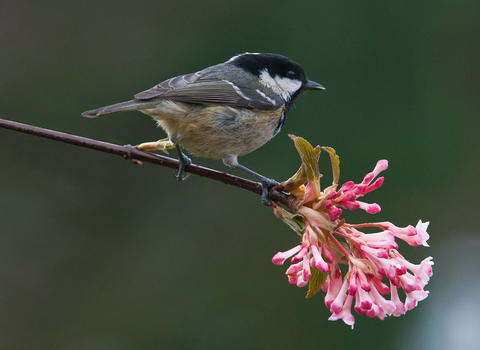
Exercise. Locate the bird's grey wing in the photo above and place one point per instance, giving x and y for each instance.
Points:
(194, 88)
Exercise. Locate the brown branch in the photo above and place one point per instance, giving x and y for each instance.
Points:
(136, 155)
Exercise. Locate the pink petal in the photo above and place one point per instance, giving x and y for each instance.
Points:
(399, 307)
(382, 165)
(347, 186)
(423, 236)
(317, 260)
(301, 282)
(334, 286)
(306, 268)
(337, 304)
(369, 208)
(295, 268)
(279, 258)
(352, 287)
(345, 314)
(378, 183)
(414, 297)
(364, 299)
(299, 256)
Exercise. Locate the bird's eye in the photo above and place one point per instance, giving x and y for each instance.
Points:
(291, 74)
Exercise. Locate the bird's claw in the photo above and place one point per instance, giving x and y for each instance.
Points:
(179, 176)
(267, 184)
(184, 161)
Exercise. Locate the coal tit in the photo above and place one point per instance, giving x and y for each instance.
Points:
(223, 111)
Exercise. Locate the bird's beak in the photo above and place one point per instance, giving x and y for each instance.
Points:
(311, 85)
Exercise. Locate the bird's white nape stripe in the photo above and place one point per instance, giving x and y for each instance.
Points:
(237, 89)
(268, 81)
(245, 53)
(285, 87)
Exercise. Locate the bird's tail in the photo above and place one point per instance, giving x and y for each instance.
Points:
(132, 105)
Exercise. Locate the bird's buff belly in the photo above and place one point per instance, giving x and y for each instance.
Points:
(216, 132)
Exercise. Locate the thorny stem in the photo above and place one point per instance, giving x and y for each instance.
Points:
(135, 155)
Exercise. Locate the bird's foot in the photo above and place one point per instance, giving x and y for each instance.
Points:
(267, 184)
(184, 161)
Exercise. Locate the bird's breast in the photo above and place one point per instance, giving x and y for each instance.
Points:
(213, 131)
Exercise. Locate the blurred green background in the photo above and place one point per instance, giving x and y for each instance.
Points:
(96, 253)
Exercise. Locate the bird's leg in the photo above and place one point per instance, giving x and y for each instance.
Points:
(160, 145)
(163, 145)
(184, 162)
(265, 181)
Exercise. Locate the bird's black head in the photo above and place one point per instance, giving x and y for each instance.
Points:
(279, 73)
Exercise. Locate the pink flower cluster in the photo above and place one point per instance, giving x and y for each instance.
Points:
(328, 241)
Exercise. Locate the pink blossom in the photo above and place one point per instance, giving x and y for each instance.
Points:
(334, 213)
(412, 235)
(353, 287)
(345, 313)
(317, 260)
(280, 258)
(333, 287)
(364, 301)
(369, 208)
(399, 307)
(295, 268)
(414, 297)
(337, 304)
(378, 182)
(371, 258)
(382, 165)
(306, 269)
(423, 236)
(300, 255)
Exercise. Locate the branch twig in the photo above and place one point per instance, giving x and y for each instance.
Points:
(131, 153)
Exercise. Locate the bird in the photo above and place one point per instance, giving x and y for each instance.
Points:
(223, 111)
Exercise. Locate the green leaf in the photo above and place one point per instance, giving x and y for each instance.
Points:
(310, 158)
(299, 222)
(295, 221)
(316, 281)
(335, 160)
(296, 180)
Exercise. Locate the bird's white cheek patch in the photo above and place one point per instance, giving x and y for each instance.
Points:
(284, 87)
(289, 86)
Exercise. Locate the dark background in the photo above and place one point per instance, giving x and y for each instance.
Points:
(96, 253)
